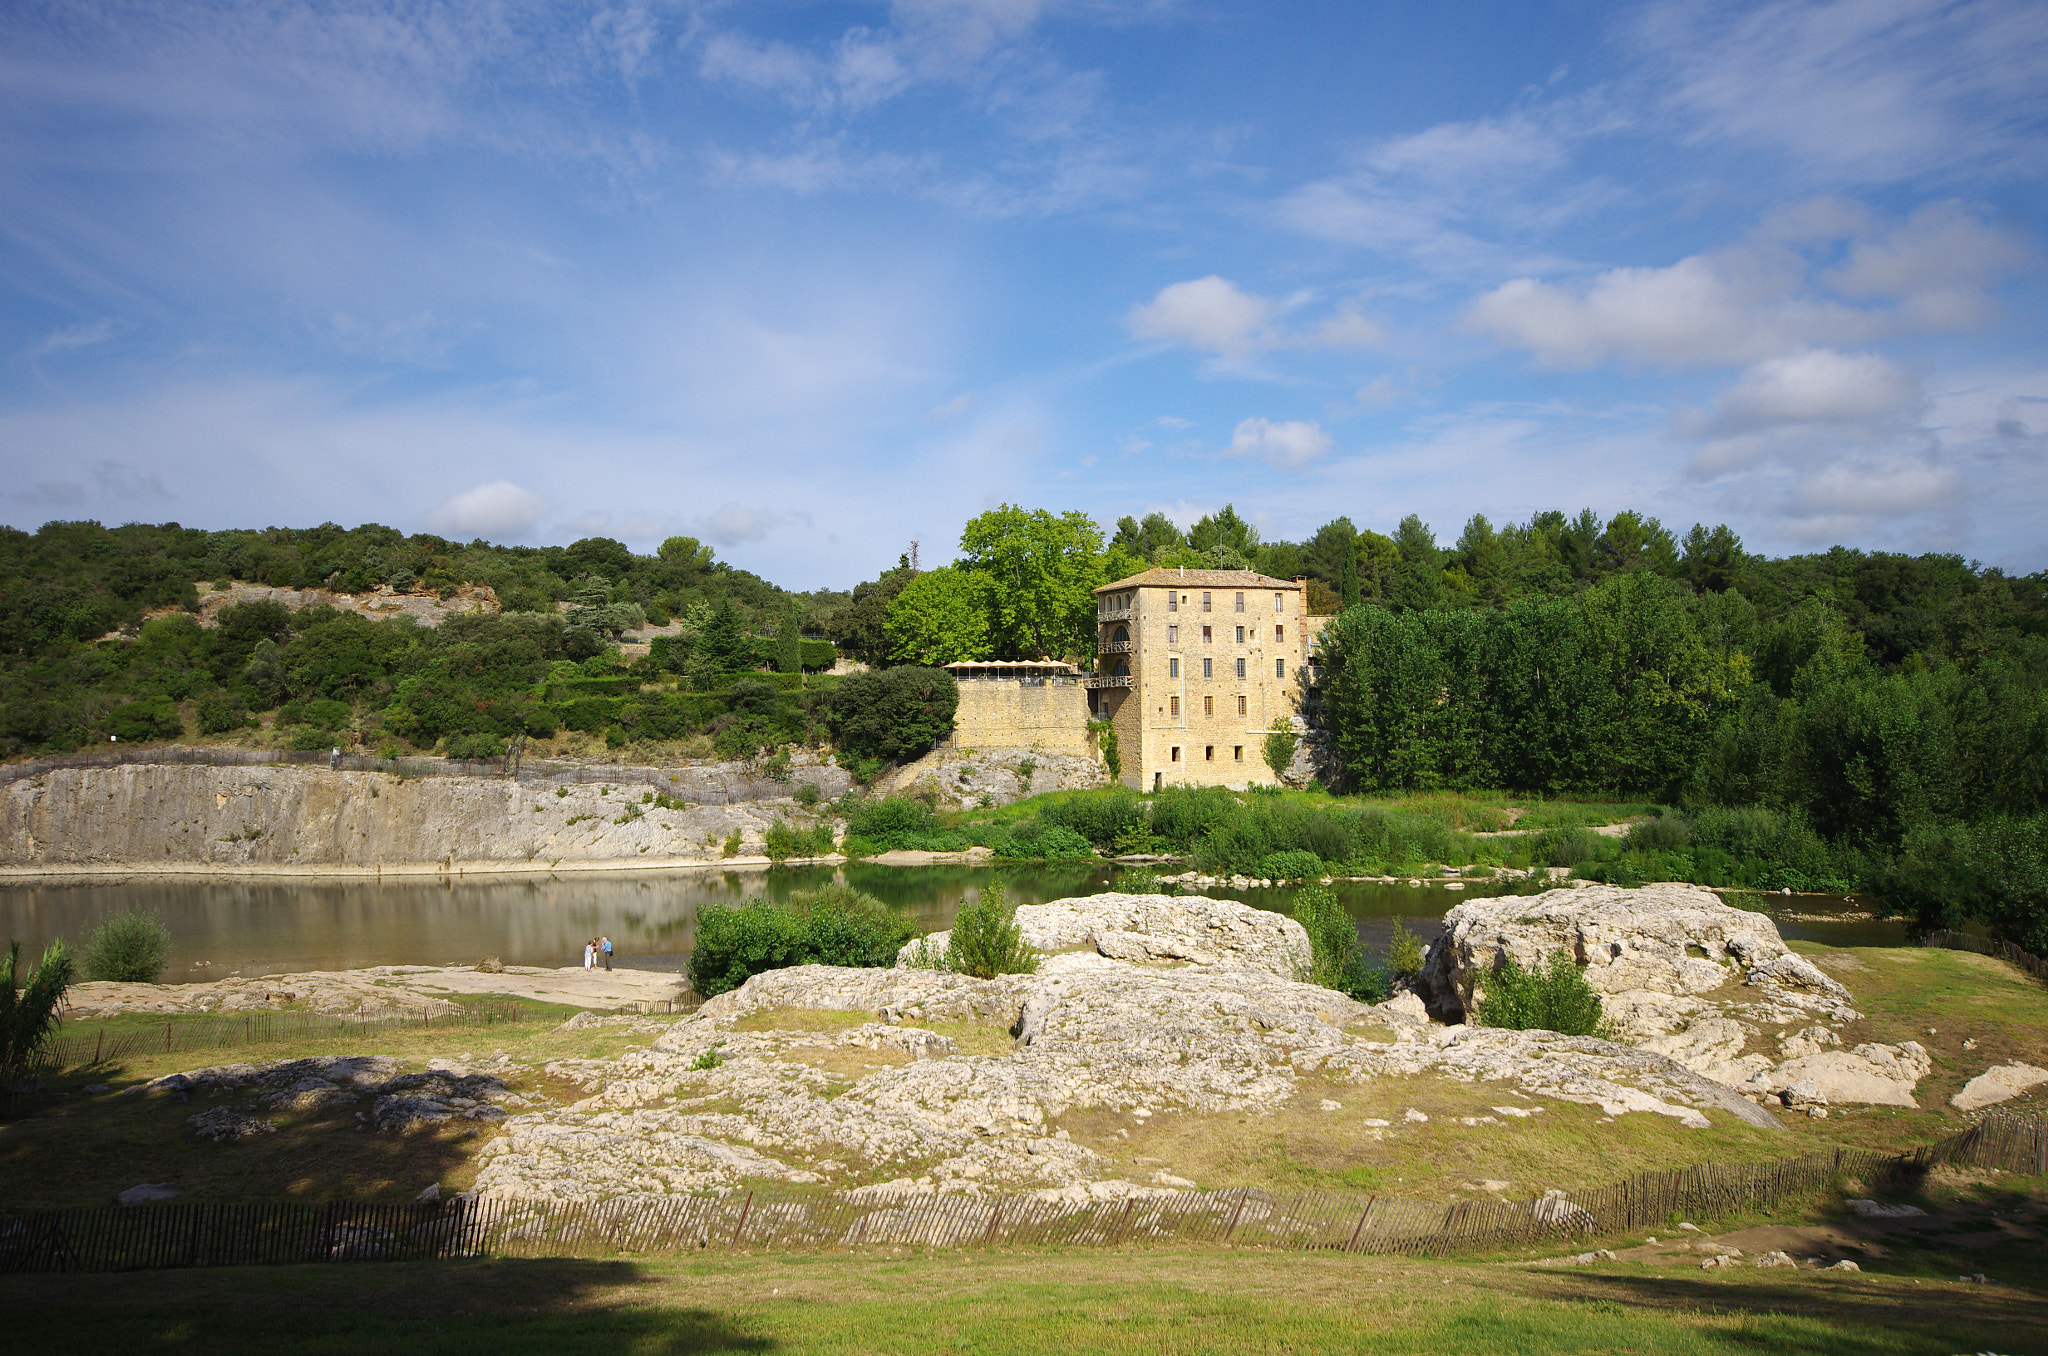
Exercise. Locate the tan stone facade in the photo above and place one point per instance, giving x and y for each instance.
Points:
(1000, 709)
(1193, 668)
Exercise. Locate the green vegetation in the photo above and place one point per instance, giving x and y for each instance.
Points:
(130, 946)
(784, 841)
(30, 1007)
(1023, 1302)
(986, 940)
(1336, 960)
(1281, 743)
(1555, 998)
(893, 713)
(834, 925)
(475, 681)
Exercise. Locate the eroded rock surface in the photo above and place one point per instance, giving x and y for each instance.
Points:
(1999, 1083)
(1160, 928)
(392, 1101)
(717, 1101)
(1680, 973)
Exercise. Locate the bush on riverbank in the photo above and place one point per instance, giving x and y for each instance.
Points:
(130, 947)
(834, 925)
(1746, 848)
(1336, 958)
(1555, 998)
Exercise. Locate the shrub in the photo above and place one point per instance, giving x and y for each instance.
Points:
(479, 745)
(1336, 960)
(1104, 818)
(1281, 742)
(986, 940)
(1672, 833)
(893, 713)
(890, 820)
(783, 842)
(1556, 998)
(222, 713)
(29, 1015)
(150, 718)
(1293, 864)
(130, 947)
(835, 925)
(306, 739)
(1404, 953)
(806, 794)
(1564, 847)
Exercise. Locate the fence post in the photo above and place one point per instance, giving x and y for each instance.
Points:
(1235, 1211)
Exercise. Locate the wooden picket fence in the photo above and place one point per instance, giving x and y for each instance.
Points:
(231, 1030)
(1984, 946)
(177, 1234)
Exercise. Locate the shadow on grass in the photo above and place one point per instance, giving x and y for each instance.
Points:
(552, 1307)
(1844, 1314)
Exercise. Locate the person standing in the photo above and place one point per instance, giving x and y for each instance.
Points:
(589, 949)
(606, 943)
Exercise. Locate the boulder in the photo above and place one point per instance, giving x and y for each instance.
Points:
(1159, 928)
(1999, 1083)
(1874, 1075)
(147, 1192)
(1673, 941)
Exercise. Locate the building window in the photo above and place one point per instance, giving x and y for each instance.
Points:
(1208, 634)
(1173, 668)
(1173, 602)
(1205, 602)
(1279, 635)
(1208, 668)
(1209, 753)
(1279, 602)
(1240, 668)
(1240, 635)
(1208, 706)
(1176, 754)
(1173, 635)
(1173, 702)
(1240, 602)
(1279, 668)
(1237, 752)
(1240, 704)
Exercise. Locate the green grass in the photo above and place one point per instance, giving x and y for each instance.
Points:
(1115, 1301)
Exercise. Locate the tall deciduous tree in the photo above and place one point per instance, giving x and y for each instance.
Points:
(1044, 569)
(943, 616)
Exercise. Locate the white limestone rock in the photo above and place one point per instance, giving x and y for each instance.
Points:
(1142, 928)
(1999, 1083)
(1872, 1075)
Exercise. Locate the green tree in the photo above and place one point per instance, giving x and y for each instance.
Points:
(130, 947)
(1281, 742)
(893, 713)
(1147, 539)
(943, 616)
(789, 651)
(1044, 569)
(722, 646)
(861, 627)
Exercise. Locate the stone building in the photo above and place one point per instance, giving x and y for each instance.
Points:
(1193, 668)
(1020, 703)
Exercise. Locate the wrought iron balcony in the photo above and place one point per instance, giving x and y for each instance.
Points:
(1110, 614)
(1107, 680)
(1117, 647)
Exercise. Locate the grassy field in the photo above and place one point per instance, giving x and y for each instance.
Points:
(1180, 1301)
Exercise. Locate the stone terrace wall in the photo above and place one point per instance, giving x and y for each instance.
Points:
(1007, 714)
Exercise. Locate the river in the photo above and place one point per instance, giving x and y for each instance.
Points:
(222, 927)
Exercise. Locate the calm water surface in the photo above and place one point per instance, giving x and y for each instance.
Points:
(257, 927)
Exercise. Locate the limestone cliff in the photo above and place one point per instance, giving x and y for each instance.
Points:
(263, 819)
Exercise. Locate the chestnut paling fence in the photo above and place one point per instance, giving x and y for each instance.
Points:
(233, 1030)
(174, 1234)
(1984, 946)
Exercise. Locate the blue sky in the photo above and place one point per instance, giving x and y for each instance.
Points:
(810, 281)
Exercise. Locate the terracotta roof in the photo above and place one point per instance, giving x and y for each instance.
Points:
(1210, 579)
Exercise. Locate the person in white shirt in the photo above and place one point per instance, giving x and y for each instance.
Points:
(589, 954)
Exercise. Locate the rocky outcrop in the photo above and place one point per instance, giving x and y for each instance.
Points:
(428, 609)
(1681, 974)
(719, 1099)
(380, 991)
(169, 818)
(961, 779)
(393, 1102)
(1158, 928)
(1999, 1083)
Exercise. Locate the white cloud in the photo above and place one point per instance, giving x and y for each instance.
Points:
(1292, 444)
(1215, 315)
(498, 509)
(1767, 295)
(951, 409)
(82, 335)
(1868, 89)
(1813, 386)
(1211, 314)
(733, 524)
(1878, 486)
